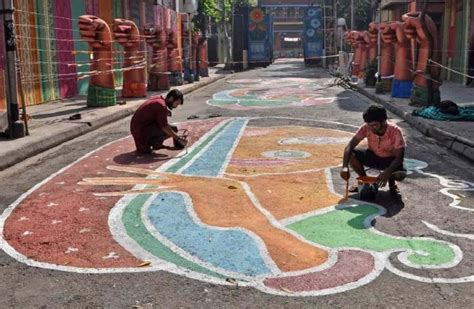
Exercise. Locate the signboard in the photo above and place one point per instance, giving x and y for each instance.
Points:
(260, 37)
(313, 33)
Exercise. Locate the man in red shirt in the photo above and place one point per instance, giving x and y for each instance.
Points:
(386, 150)
(149, 125)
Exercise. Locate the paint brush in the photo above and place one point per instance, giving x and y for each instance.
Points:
(346, 196)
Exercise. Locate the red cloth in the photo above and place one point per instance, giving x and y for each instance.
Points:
(383, 146)
(150, 117)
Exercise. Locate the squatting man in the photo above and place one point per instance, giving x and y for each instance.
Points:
(149, 125)
(385, 152)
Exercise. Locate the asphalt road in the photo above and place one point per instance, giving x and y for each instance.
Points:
(259, 224)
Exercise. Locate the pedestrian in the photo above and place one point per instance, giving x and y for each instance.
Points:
(149, 125)
(385, 152)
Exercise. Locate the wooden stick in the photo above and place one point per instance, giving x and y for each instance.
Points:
(347, 190)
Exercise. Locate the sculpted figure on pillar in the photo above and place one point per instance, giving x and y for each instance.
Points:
(97, 34)
(387, 58)
(394, 33)
(363, 42)
(351, 39)
(126, 33)
(203, 59)
(158, 74)
(373, 42)
(175, 65)
(427, 80)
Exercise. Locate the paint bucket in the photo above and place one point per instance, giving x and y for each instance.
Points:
(367, 187)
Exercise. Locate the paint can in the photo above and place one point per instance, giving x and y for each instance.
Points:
(367, 187)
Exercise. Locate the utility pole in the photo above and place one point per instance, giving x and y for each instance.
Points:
(16, 128)
(352, 14)
(379, 84)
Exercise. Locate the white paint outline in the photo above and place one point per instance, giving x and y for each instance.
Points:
(381, 260)
(173, 247)
(447, 233)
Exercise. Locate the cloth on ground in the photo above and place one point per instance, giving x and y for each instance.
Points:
(466, 113)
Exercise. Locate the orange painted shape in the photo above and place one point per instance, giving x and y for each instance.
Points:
(321, 155)
(289, 195)
(231, 207)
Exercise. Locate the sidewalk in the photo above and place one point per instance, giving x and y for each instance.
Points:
(455, 135)
(50, 124)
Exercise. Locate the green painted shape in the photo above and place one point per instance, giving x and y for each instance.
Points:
(136, 229)
(174, 168)
(345, 228)
(223, 102)
(78, 9)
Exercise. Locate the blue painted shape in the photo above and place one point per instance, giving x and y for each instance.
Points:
(229, 249)
(213, 158)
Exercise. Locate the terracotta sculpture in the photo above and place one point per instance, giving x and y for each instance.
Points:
(194, 59)
(387, 61)
(394, 33)
(203, 61)
(351, 40)
(134, 76)
(97, 34)
(426, 75)
(158, 74)
(175, 65)
(363, 41)
(372, 42)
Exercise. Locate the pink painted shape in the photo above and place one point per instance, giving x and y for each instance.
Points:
(350, 267)
(64, 47)
(77, 208)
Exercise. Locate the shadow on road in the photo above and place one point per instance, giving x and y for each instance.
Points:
(131, 158)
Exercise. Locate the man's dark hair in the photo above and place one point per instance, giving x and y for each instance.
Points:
(375, 112)
(176, 95)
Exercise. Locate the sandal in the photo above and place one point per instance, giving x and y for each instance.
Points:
(353, 188)
(394, 190)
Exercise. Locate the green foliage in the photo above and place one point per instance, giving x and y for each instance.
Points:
(362, 12)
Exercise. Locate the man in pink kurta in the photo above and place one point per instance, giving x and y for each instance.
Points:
(385, 152)
(149, 125)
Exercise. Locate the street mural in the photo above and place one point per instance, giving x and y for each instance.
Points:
(262, 94)
(249, 203)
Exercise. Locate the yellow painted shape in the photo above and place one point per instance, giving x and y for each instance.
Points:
(292, 194)
(252, 146)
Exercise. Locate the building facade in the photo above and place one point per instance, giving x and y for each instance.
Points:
(455, 22)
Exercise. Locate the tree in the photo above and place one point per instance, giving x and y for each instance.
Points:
(220, 11)
(363, 12)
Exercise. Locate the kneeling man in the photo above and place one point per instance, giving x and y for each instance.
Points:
(149, 125)
(386, 150)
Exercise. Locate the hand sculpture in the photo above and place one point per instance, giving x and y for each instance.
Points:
(394, 33)
(175, 65)
(203, 60)
(362, 43)
(97, 34)
(157, 38)
(373, 29)
(134, 79)
(351, 40)
(386, 56)
(424, 76)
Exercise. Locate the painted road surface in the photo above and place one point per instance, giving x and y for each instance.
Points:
(249, 200)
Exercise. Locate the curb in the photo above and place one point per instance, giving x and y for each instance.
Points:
(22, 153)
(458, 144)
